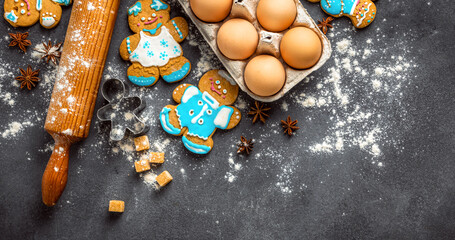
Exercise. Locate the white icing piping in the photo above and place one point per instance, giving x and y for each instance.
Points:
(364, 15)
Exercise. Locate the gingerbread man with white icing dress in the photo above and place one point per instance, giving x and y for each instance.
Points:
(202, 110)
(25, 13)
(361, 12)
(154, 49)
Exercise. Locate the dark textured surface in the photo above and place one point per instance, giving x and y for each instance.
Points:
(334, 196)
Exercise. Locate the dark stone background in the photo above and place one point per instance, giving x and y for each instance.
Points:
(345, 196)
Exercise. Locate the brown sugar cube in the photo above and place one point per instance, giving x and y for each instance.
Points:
(142, 143)
(164, 178)
(156, 157)
(116, 206)
(142, 165)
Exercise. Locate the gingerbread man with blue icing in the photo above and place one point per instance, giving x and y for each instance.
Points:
(202, 110)
(25, 13)
(154, 49)
(361, 12)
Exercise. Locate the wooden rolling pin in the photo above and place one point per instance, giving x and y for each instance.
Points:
(76, 86)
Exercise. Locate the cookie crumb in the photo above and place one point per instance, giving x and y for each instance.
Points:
(116, 206)
(164, 178)
(142, 143)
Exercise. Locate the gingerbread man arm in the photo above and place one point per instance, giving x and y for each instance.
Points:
(179, 92)
(126, 49)
(235, 118)
(178, 28)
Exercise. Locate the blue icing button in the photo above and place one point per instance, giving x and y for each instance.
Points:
(167, 126)
(195, 148)
(177, 75)
(142, 81)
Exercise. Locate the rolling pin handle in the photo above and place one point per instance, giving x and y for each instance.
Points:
(56, 173)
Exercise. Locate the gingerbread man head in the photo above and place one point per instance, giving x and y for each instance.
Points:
(25, 13)
(220, 86)
(148, 15)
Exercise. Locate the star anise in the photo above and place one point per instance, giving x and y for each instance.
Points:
(245, 145)
(324, 25)
(50, 52)
(259, 112)
(28, 78)
(20, 40)
(289, 125)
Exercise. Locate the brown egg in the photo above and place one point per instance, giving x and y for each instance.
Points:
(237, 39)
(301, 48)
(276, 15)
(264, 75)
(211, 10)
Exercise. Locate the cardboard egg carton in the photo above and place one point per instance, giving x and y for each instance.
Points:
(269, 43)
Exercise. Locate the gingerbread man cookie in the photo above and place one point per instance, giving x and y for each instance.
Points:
(154, 49)
(202, 110)
(361, 12)
(25, 13)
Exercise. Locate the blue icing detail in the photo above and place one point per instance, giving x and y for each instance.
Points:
(63, 2)
(163, 55)
(177, 75)
(153, 31)
(167, 126)
(337, 7)
(158, 5)
(135, 9)
(135, 56)
(199, 112)
(150, 54)
(11, 16)
(39, 5)
(176, 50)
(164, 43)
(142, 81)
(195, 148)
(178, 30)
(147, 44)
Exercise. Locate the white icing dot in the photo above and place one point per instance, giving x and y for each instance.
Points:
(22, 11)
(22, 4)
(237, 117)
(143, 18)
(16, 0)
(154, 15)
(150, 18)
(55, 16)
(219, 87)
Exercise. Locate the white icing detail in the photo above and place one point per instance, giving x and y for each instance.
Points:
(195, 135)
(48, 21)
(163, 120)
(364, 15)
(23, 11)
(194, 149)
(210, 100)
(226, 76)
(200, 114)
(146, 60)
(222, 118)
(189, 93)
(39, 5)
(11, 14)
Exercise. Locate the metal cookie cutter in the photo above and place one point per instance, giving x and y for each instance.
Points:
(122, 110)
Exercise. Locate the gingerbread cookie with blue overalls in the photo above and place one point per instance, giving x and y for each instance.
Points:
(361, 12)
(201, 110)
(154, 49)
(25, 13)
